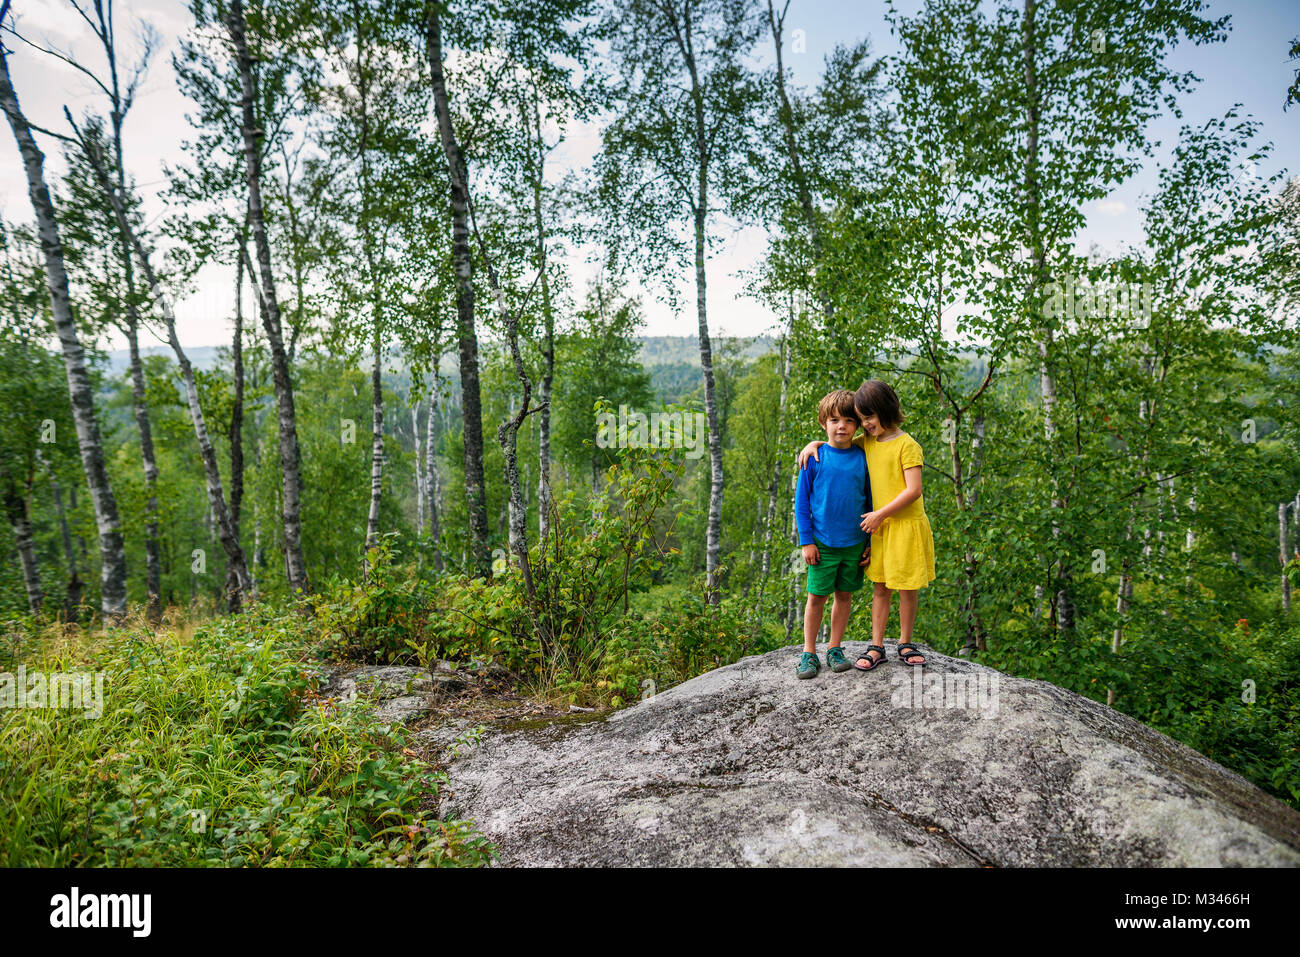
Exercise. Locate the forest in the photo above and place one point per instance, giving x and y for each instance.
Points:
(398, 458)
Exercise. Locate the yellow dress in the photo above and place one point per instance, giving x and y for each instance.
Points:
(902, 548)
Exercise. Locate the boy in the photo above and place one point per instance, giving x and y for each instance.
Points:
(830, 500)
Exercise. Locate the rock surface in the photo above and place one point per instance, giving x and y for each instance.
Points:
(446, 708)
(402, 694)
(747, 765)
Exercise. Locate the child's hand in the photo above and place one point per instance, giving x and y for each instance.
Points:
(810, 449)
(866, 557)
(811, 555)
(871, 521)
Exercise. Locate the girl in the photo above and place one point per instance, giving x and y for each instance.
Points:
(902, 547)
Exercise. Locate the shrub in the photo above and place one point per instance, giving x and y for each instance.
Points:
(216, 751)
(1247, 717)
(470, 619)
(377, 619)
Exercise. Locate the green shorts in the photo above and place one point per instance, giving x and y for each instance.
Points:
(838, 569)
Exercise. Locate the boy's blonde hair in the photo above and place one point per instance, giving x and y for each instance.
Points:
(839, 402)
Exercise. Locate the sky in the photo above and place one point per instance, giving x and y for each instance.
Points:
(1251, 69)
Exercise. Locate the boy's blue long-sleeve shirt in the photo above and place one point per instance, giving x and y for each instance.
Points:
(831, 497)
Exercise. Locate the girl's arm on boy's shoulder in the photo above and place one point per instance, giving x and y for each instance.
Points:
(810, 450)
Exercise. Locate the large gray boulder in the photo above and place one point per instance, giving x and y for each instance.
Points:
(749, 765)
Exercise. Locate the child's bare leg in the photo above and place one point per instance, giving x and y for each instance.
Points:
(880, 601)
(908, 600)
(880, 597)
(840, 616)
(812, 621)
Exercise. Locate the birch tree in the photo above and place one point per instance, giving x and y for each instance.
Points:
(1215, 255)
(89, 440)
(462, 263)
(32, 404)
(91, 144)
(120, 97)
(373, 109)
(501, 52)
(290, 457)
(1053, 70)
(210, 193)
(675, 150)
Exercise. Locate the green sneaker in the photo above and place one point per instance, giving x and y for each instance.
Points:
(835, 659)
(809, 665)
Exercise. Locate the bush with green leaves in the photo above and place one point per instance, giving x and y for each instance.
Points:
(596, 555)
(216, 751)
(377, 618)
(683, 636)
(1239, 705)
(471, 619)
(585, 637)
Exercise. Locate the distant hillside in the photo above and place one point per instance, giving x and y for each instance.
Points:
(201, 357)
(670, 350)
(677, 381)
(654, 351)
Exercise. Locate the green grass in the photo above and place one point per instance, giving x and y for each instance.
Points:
(212, 751)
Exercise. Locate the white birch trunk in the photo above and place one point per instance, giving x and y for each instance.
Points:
(111, 550)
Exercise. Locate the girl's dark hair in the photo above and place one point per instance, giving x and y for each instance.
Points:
(879, 399)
